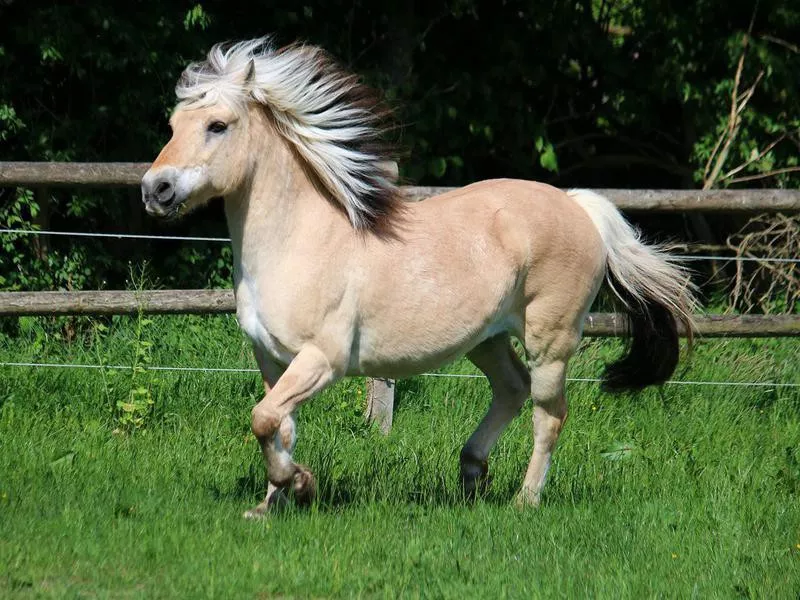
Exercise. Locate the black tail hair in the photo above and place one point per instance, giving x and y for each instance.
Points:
(652, 349)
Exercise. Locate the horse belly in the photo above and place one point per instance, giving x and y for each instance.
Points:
(391, 356)
(414, 341)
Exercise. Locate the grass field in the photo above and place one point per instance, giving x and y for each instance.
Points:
(120, 484)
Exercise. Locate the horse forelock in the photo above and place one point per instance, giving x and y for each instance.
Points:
(336, 123)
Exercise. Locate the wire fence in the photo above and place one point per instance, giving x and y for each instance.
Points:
(179, 369)
(119, 236)
(181, 238)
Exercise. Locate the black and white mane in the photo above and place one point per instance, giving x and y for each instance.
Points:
(335, 123)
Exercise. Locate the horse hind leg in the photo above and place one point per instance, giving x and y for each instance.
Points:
(548, 390)
(510, 383)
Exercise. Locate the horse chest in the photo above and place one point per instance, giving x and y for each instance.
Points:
(259, 325)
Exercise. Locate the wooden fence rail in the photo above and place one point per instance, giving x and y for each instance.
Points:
(17, 304)
(54, 174)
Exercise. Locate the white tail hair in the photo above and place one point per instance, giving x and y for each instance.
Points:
(647, 272)
(655, 289)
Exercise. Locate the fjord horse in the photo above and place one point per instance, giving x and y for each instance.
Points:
(335, 275)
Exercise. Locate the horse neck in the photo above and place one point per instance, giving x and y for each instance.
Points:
(279, 206)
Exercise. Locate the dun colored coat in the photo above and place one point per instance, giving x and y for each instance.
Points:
(336, 276)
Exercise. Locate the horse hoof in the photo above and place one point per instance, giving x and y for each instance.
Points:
(475, 478)
(474, 488)
(304, 486)
(254, 514)
(275, 501)
(527, 499)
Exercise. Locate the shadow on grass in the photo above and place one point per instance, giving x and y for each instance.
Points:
(252, 488)
(353, 491)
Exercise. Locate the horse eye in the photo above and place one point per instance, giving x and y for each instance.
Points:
(217, 127)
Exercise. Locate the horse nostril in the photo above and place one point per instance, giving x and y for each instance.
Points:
(164, 192)
(162, 187)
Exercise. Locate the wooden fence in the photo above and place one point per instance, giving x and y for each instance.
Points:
(380, 392)
(114, 302)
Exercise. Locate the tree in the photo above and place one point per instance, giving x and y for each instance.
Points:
(605, 93)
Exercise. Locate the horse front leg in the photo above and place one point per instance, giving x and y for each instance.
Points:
(273, 424)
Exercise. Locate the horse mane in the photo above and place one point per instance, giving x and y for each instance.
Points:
(335, 123)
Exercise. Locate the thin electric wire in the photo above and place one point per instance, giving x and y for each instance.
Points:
(127, 236)
(184, 238)
(444, 375)
(766, 259)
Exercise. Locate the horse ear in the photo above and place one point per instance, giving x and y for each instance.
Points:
(250, 72)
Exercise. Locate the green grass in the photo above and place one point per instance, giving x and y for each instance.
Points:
(682, 491)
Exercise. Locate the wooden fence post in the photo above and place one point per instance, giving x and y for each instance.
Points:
(380, 402)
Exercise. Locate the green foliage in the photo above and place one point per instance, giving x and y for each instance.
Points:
(132, 411)
(9, 122)
(129, 390)
(547, 155)
(588, 93)
(24, 264)
(196, 17)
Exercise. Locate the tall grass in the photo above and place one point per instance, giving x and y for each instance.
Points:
(676, 492)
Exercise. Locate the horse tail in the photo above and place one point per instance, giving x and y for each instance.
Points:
(655, 291)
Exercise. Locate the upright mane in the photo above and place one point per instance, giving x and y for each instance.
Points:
(335, 123)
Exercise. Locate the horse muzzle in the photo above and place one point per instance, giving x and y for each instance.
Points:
(159, 194)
